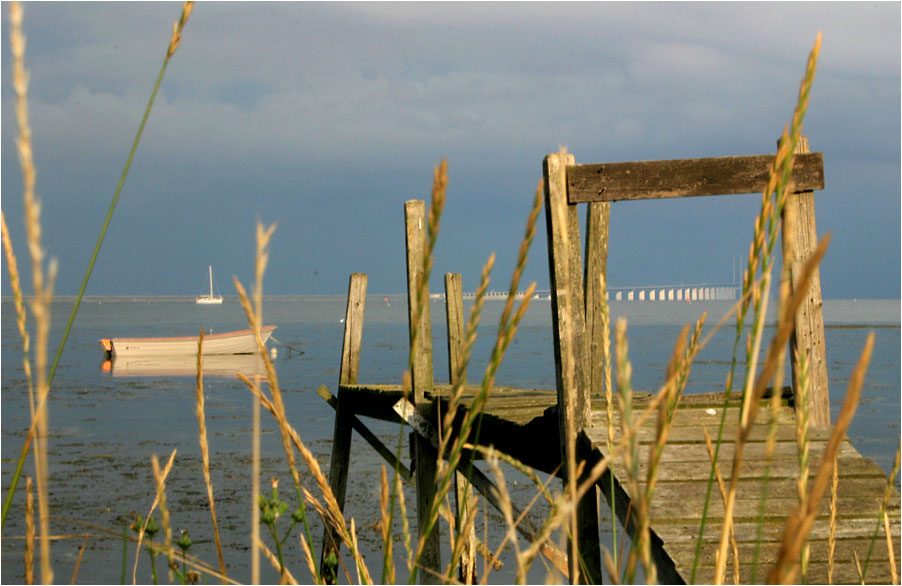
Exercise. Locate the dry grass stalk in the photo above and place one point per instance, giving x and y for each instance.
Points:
(308, 555)
(29, 532)
(176, 39)
(779, 341)
(611, 566)
(255, 320)
(81, 553)
(405, 526)
(723, 495)
(21, 315)
(205, 448)
(887, 494)
(43, 286)
(388, 562)
(631, 453)
(677, 376)
(799, 524)
(889, 548)
(858, 567)
(506, 331)
(542, 487)
(760, 252)
(255, 491)
(161, 479)
(447, 422)
(884, 503)
(770, 445)
(831, 540)
(437, 204)
(460, 545)
(562, 505)
(508, 513)
(164, 512)
(802, 424)
(605, 315)
(254, 314)
(360, 579)
(330, 512)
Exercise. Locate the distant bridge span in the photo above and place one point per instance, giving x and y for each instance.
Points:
(682, 292)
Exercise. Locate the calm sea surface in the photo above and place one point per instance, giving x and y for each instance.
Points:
(106, 424)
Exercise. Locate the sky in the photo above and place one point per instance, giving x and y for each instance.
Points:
(326, 117)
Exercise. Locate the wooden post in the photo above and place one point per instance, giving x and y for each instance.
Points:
(454, 312)
(420, 325)
(800, 234)
(341, 436)
(565, 269)
(597, 221)
(454, 307)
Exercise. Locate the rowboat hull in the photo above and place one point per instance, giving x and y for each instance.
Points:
(218, 365)
(237, 342)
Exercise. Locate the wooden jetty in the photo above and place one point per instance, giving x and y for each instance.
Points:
(531, 424)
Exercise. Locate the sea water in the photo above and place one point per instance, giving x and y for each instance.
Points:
(105, 424)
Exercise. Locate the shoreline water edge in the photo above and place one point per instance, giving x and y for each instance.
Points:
(106, 425)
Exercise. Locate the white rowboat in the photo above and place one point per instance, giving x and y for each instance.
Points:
(237, 342)
(221, 365)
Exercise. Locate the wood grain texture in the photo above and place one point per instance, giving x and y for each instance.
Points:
(686, 177)
(571, 360)
(341, 434)
(519, 422)
(420, 327)
(800, 231)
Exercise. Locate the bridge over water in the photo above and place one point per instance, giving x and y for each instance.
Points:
(682, 292)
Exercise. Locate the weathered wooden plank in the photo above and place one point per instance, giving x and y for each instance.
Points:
(371, 438)
(683, 533)
(689, 509)
(852, 467)
(767, 553)
(567, 301)
(454, 318)
(777, 488)
(686, 177)
(350, 349)
(420, 323)
(454, 314)
(799, 242)
(421, 379)
(565, 269)
(598, 216)
(341, 434)
(844, 573)
(515, 415)
(687, 434)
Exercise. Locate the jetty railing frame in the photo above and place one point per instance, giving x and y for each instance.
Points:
(576, 320)
(575, 297)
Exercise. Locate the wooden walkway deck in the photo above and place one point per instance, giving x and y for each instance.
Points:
(527, 423)
(515, 420)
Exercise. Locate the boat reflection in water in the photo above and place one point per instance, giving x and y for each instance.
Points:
(222, 365)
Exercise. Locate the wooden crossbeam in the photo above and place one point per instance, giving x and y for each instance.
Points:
(686, 177)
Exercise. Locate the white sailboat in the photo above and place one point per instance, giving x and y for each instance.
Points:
(208, 299)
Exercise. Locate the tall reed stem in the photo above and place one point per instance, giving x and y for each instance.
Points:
(20, 81)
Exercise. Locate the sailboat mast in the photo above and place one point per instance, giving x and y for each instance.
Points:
(211, 281)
